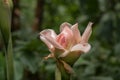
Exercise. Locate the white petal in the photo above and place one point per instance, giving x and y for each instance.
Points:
(50, 46)
(49, 32)
(50, 36)
(63, 25)
(54, 42)
(87, 32)
(84, 47)
(76, 32)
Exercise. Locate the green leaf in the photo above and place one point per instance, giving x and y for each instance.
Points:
(5, 28)
(2, 67)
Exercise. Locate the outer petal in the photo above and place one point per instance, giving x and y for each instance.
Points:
(76, 32)
(87, 33)
(49, 32)
(50, 46)
(71, 56)
(63, 25)
(50, 36)
(84, 47)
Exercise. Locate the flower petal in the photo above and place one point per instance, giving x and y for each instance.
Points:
(49, 32)
(50, 46)
(76, 32)
(65, 38)
(50, 36)
(54, 42)
(87, 33)
(83, 47)
(63, 25)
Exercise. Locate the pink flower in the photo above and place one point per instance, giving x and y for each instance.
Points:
(69, 44)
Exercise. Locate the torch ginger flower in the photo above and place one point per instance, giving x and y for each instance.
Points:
(69, 44)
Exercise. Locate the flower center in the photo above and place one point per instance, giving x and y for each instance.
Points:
(61, 40)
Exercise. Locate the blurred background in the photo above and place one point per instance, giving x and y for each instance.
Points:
(29, 17)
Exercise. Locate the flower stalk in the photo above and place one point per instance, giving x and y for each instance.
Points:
(57, 74)
(64, 75)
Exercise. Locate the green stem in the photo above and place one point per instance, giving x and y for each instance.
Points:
(61, 73)
(57, 74)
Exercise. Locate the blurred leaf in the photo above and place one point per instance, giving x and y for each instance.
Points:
(18, 70)
(101, 78)
(30, 61)
(117, 49)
